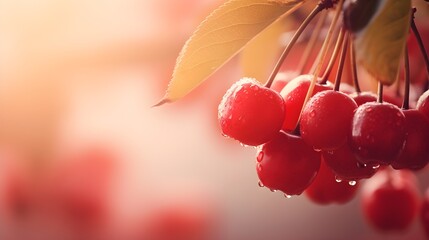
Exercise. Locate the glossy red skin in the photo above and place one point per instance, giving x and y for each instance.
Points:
(363, 97)
(326, 120)
(390, 200)
(294, 95)
(287, 164)
(345, 165)
(423, 104)
(251, 113)
(378, 133)
(326, 190)
(415, 154)
(424, 213)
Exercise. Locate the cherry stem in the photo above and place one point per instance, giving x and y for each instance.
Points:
(311, 43)
(405, 103)
(421, 45)
(341, 63)
(334, 56)
(354, 67)
(380, 92)
(292, 42)
(323, 53)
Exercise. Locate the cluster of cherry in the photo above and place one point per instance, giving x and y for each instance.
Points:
(327, 146)
(314, 138)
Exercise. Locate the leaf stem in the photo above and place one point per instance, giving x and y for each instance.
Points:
(334, 56)
(341, 63)
(292, 42)
(406, 100)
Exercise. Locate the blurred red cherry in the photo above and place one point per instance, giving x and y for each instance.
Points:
(79, 187)
(390, 200)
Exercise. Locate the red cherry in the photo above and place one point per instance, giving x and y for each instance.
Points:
(423, 104)
(326, 120)
(378, 133)
(415, 154)
(325, 189)
(78, 188)
(251, 113)
(287, 164)
(179, 221)
(363, 97)
(390, 199)
(345, 165)
(294, 95)
(17, 191)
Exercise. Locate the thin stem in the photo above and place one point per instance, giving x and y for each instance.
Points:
(334, 56)
(354, 67)
(292, 42)
(420, 43)
(405, 103)
(341, 63)
(380, 92)
(324, 51)
(311, 43)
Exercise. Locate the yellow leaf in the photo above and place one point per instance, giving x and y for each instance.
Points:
(219, 37)
(380, 45)
(259, 55)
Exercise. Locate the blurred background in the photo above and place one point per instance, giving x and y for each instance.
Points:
(83, 155)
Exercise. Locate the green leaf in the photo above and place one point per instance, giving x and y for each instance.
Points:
(380, 45)
(219, 37)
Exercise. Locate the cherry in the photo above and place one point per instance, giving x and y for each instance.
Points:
(287, 163)
(294, 94)
(378, 133)
(415, 154)
(179, 221)
(363, 97)
(17, 192)
(423, 104)
(390, 199)
(325, 189)
(251, 113)
(344, 164)
(78, 188)
(326, 120)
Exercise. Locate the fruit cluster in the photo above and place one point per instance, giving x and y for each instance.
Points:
(312, 137)
(337, 140)
(353, 133)
(321, 138)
